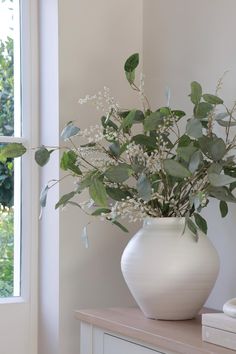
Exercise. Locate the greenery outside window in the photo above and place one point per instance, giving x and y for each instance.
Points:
(10, 129)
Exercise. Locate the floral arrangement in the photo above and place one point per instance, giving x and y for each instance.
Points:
(138, 163)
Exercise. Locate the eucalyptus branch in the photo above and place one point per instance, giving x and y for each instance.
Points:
(56, 181)
(211, 116)
(136, 88)
(230, 112)
(149, 178)
(80, 156)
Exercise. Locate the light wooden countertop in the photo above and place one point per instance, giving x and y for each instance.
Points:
(179, 336)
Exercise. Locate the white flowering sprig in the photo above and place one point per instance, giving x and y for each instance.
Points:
(157, 170)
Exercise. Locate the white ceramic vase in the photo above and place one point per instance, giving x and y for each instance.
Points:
(169, 274)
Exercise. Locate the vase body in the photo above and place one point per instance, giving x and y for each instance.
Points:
(169, 274)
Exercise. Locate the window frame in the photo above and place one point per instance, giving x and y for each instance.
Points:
(25, 308)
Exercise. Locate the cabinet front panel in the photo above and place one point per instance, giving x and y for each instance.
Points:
(114, 345)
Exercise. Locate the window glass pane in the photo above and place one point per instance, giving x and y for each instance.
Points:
(6, 252)
(10, 227)
(9, 68)
(10, 171)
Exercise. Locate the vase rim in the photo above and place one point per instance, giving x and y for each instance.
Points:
(148, 221)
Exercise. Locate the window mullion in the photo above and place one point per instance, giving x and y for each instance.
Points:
(13, 139)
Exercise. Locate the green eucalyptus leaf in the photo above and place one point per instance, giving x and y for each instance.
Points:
(69, 162)
(222, 193)
(195, 200)
(130, 76)
(215, 168)
(42, 156)
(195, 161)
(186, 152)
(65, 199)
(115, 148)
(177, 113)
(12, 150)
(64, 161)
(232, 186)
(128, 120)
(133, 117)
(117, 194)
(147, 141)
(168, 142)
(123, 147)
(144, 187)
(212, 99)
(200, 222)
(120, 225)
(184, 141)
(194, 128)
(196, 92)
(98, 193)
(69, 131)
(139, 116)
(124, 113)
(164, 111)
(131, 63)
(88, 145)
(221, 115)
(86, 181)
(220, 180)
(230, 169)
(202, 110)
(100, 211)
(225, 124)
(43, 196)
(153, 121)
(130, 66)
(217, 149)
(223, 208)
(118, 173)
(108, 123)
(192, 227)
(213, 148)
(175, 169)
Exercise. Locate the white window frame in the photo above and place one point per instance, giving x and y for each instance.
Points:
(21, 312)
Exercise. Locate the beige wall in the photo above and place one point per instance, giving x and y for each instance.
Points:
(186, 40)
(95, 37)
(183, 40)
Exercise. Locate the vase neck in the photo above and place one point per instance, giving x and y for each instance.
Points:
(163, 223)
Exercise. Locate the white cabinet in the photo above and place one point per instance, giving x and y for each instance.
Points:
(116, 345)
(94, 340)
(127, 331)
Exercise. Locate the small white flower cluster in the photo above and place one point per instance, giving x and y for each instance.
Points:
(106, 102)
(168, 122)
(202, 198)
(87, 98)
(132, 209)
(103, 101)
(102, 162)
(129, 208)
(95, 156)
(141, 83)
(153, 163)
(111, 133)
(93, 134)
(151, 160)
(135, 151)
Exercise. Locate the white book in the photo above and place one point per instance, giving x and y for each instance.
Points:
(219, 337)
(220, 321)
